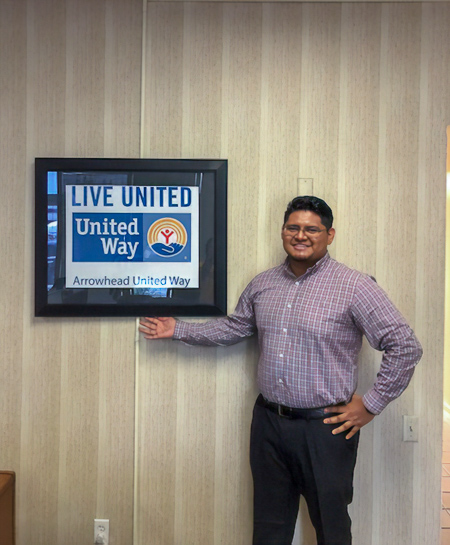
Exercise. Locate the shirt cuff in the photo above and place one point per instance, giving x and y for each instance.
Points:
(373, 402)
(179, 330)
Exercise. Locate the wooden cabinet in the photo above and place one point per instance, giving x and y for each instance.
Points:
(7, 505)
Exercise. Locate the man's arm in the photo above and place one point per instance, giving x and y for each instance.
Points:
(386, 330)
(217, 332)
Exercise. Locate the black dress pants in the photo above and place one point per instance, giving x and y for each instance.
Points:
(300, 457)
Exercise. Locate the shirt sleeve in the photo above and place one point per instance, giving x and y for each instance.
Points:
(222, 331)
(386, 330)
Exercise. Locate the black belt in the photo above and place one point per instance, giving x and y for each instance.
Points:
(292, 412)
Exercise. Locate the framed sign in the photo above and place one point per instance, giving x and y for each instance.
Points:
(130, 237)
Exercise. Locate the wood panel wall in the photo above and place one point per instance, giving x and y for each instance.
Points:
(69, 86)
(355, 97)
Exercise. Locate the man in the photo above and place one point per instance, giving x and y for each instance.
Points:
(310, 314)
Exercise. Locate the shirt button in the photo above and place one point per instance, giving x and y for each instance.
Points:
(284, 330)
(289, 305)
(281, 356)
(280, 380)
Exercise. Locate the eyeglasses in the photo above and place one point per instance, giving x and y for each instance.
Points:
(295, 230)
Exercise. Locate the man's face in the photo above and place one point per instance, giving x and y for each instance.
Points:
(305, 238)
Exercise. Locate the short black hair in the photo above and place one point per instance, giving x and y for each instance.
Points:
(313, 204)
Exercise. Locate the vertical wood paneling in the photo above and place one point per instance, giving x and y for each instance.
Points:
(352, 95)
(202, 78)
(196, 393)
(40, 446)
(243, 44)
(320, 34)
(356, 210)
(41, 386)
(70, 85)
(162, 116)
(429, 323)
(235, 387)
(116, 387)
(12, 187)
(116, 405)
(85, 78)
(319, 114)
(194, 463)
(241, 126)
(397, 204)
(79, 446)
(280, 115)
(123, 66)
(195, 446)
(336, 92)
(157, 493)
(156, 442)
(399, 118)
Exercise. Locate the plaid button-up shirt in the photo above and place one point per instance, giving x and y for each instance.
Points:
(310, 333)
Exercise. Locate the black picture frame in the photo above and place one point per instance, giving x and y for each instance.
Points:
(53, 298)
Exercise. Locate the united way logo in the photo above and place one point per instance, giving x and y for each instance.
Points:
(167, 237)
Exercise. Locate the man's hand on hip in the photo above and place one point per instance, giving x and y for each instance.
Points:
(353, 416)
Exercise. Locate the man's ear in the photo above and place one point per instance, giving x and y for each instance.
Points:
(331, 233)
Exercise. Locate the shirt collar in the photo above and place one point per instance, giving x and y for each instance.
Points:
(316, 267)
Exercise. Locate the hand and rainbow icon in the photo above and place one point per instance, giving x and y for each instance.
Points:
(167, 237)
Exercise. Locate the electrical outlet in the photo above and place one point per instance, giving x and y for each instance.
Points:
(410, 428)
(101, 531)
